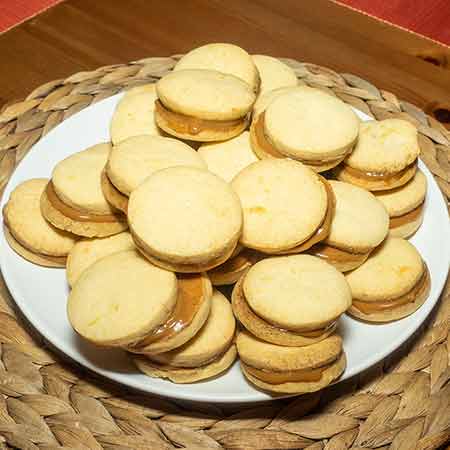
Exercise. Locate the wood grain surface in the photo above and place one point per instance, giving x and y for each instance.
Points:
(81, 35)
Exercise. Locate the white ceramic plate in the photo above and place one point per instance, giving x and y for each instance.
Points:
(41, 293)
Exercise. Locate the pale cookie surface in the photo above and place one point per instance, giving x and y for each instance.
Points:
(296, 292)
(77, 180)
(226, 159)
(360, 221)
(134, 159)
(308, 123)
(134, 114)
(185, 214)
(120, 298)
(205, 94)
(226, 58)
(283, 203)
(403, 199)
(265, 98)
(23, 217)
(384, 146)
(274, 74)
(212, 340)
(87, 251)
(390, 271)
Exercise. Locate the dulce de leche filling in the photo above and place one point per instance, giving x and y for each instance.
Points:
(330, 253)
(75, 214)
(378, 176)
(182, 123)
(410, 216)
(372, 307)
(190, 298)
(238, 263)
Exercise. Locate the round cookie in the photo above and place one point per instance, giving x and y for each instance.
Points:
(385, 156)
(274, 74)
(134, 114)
(28, 233)
(291, 370)
(87, 251)
(187, 318)
(291, 300)
(392, 284)
(405, 205)
(73, 199)
(185, 219)
(134, 159)
(265, 98)
(308, 125)
(203, 105)
(274, 219)
(104, 310)
(226, 159)
(360, 223)
(208, 354)
(225, 58)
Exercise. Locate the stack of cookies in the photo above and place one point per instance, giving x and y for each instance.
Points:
(228, 172)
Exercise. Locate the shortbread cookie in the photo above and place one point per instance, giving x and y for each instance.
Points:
(274, 74)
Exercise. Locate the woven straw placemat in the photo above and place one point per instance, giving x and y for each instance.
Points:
(48, 403)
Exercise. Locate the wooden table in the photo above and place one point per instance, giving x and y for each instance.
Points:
(81, 35)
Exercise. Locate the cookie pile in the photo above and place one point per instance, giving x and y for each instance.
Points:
(228, 172)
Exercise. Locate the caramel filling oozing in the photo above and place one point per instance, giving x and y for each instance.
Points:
(241, 261)
(182, 123)
(410, 216)
(75, 214)
(330, 253)
(378, 176)
(373, 307)
(190, 298)
(288, 376)
(265, 144)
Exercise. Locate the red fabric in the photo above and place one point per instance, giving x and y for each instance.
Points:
(427, 17)
(13, 12)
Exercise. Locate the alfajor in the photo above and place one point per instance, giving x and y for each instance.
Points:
(287, 207)
(222, 57)
(131, 161)
(203, 105)
(73, 200)
(405, 205)
(185, 219)
(360, 223)
(393, 283)
(87, 251)
(307, 125)
(385, 156)
(274, 73)
(210, 352)
(28, 233)
(134, 114)
(291, 370)
(291, 300)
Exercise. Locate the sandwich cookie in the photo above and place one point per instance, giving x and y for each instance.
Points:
(120, 299)
(385, 156)
(131, 161)
(291, 300)
(291, 370)
(134, 114)
(226, 159)
(267, 97)
(208, 354)
(392, 284)
(86, 252)
(225, 58)
(186, 319)
(185, 219)
(28, 233)
(203, 105)
(274, 74)
(307, 125)
(405, 205)
(360, 223)
(287, 207)
(73, 199)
